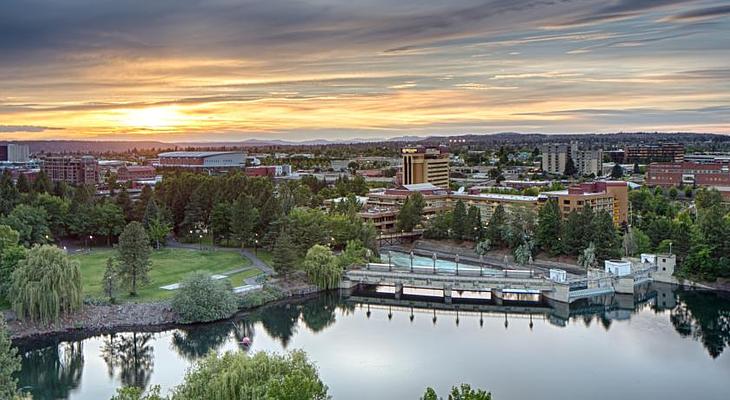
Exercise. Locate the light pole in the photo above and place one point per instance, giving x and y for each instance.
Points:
(91, 241)
(390, 264)
(457, 265)
(256, 247)
(201, 241)
(434, 262)
(411, 261)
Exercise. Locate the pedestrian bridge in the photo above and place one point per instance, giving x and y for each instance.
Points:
(498, 283)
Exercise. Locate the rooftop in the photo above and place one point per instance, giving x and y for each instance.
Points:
(196, 153)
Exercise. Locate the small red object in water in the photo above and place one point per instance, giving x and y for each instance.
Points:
(246, 341)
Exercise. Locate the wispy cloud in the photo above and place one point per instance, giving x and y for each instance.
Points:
(220, 68)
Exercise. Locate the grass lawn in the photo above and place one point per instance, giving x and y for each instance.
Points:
(168, 266)
(239, 278)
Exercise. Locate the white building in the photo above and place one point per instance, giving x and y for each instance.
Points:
(203, 159)
(14, 153)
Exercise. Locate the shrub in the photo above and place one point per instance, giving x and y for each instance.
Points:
(260, 297)
(202, 299)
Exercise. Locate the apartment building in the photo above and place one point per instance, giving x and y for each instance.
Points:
(586, 161)
(611, 196)
(72, 170)
(426, 165)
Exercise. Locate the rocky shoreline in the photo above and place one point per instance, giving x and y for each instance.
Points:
(97, 318)
(128, 316)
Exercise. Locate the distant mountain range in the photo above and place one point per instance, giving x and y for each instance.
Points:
(608, 139)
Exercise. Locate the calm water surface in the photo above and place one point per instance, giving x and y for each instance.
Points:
(660, 344)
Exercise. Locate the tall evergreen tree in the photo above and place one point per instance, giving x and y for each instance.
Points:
(604, 236)
(460, 223)
(9, 195)
(475, 228)
(22, 184)
(549, 228)
(42, 184)
(574, 234)
(410, 213)
(134, 256)
(284, 256)
(244, 218)
(220, 221)
(496, 227)
(570, 169)
(125, 203)
(151, 212)
(617, 172)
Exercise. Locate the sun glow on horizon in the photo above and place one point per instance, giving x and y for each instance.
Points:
(153, 117)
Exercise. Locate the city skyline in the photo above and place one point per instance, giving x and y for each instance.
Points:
(233, 70)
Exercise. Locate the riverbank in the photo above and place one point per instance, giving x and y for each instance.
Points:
(134, 316)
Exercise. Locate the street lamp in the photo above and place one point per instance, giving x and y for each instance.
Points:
(457, 265)
(390, 264)
(91, 241)
(256, 247)
(201, 242)
(434, 262)
(411, 261)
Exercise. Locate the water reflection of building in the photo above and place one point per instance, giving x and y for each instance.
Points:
(606, 307)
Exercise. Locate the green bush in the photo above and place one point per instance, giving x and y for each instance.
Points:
(260, 297)
(202, 299)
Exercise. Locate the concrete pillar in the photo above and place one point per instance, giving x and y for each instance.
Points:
(624, 284)
(560, 293)
(347, 287)
(497, 296)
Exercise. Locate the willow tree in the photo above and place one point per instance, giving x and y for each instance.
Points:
(46, 285)
(322, 267)
(237, 375)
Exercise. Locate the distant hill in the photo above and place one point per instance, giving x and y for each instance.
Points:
(89, 146)
(473, 139)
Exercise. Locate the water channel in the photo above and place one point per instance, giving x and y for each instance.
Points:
(661, 343)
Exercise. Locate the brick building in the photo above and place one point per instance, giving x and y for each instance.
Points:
(72, 170)
(136, 173)
(688, 173)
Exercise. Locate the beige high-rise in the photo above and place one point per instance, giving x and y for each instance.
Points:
(426, 165)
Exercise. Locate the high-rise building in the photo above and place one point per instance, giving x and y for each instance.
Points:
(586, 161)
(426, 165)
(14, 153)
(72, 170)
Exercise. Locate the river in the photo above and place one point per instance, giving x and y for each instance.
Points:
(662, 343)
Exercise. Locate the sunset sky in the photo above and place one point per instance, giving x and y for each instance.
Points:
(232, 69)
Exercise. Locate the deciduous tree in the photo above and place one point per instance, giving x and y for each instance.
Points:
(46, 284)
